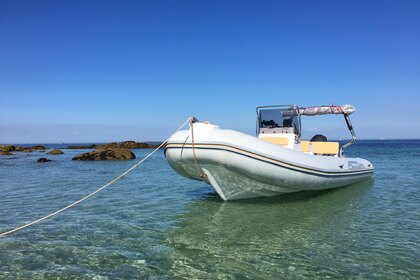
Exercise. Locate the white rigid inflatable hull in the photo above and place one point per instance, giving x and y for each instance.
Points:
(239, 166)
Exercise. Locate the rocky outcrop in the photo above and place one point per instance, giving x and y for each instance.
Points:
(125, 145)
(43, 160)
(38, 147)
(5, 152)
(8, 148)
(74, 147)
(23, 149)
(13, 148)
(55, 152)
(106, 154)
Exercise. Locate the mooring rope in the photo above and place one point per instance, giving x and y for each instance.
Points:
(197, 167)
(93, 193)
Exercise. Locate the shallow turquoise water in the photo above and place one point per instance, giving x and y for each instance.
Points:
(156, 224)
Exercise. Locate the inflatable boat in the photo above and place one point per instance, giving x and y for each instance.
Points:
(276, 161)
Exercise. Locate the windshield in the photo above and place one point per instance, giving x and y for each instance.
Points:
(272, 117)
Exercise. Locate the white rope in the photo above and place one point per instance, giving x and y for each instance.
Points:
(93, 193)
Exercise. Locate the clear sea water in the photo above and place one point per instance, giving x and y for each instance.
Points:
(154, 224)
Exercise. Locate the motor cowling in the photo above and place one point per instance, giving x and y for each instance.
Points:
(319, 138)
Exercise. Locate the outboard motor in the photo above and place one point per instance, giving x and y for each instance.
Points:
(319, 138)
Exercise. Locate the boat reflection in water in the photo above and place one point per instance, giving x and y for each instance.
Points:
(285, 236)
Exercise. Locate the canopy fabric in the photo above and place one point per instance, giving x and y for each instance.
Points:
(324, 110)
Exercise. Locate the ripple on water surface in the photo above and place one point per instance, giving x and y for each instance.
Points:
(156, 223)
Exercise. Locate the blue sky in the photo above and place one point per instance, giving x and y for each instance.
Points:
(90, 71)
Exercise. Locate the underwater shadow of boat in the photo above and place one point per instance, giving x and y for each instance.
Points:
(288, 197)
(261, 236)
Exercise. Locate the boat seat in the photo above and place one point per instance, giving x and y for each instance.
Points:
(304, 146)
(282, 141)
(320, 148)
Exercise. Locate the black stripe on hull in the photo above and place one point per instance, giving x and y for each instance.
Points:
(284, 165)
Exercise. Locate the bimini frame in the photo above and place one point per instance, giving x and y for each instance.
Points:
(353, 135)
(346, 110)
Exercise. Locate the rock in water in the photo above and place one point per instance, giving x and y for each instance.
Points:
(43, 160)
(55, 152)
(107, 154)
(127, 145)
(13, 148)
(93, 146)
(9, 148)
(38, 147)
